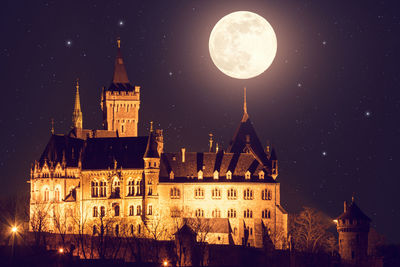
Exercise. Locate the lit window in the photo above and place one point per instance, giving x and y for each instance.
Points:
(57, 195)
(131, 188)
(248, 213)
(229, 175)
(95, 211)
(46, 194)
(95, 188)
(248, 194)
(266, 214)
(200, 175)
(103, 189)
(139, 210)
(232, 193)
(216, 193)
(247, 175)
(266, 194)
(150, 210)
(116, 188)
(216, 174)
(171, 175)
(216, 213)
(131, 210)
(199, 213)
(261, 174)
(175, 193)
(199, 193)
(231, 213)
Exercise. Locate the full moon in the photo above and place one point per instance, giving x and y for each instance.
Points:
(242, 45)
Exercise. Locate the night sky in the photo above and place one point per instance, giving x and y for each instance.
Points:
(329, 103)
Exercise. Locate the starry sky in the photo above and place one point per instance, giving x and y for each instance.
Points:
(329, 103)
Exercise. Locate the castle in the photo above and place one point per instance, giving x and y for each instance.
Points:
(91, 181)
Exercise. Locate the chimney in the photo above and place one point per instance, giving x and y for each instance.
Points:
(183, 150)
(345, 206)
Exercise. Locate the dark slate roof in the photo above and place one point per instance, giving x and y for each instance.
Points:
(120, 81)
(151, 148)
(61, 146)
(353, 212)
(246, 139)
(121, 87)
(100, 153)
(185, 229)
(208, 162)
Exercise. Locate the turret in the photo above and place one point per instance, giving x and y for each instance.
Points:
(353, 228)
(274, 164)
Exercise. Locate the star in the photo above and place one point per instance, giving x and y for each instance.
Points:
(170, 73)
(324, 153)
(299, 85)
(121, 23)
(367, 113)
(324, 43)
(68, 43)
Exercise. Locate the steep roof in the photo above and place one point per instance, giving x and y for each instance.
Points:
(353, 212)
(120, 81)
(151, 147)
(208, 162)
(62, 146)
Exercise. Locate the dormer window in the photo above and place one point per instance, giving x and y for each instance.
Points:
(171, 175)
(261, 175)
(216, 174)
(200, 175)
(229, 175)
(247, 175)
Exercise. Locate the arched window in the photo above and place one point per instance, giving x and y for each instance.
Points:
(116, 210)
(216, 213)
(102, 211)
(103, 189)
(232, 193)
(95, 211)
(131, 188)
(94, 229)
(248, 194)
(57, 194)
(150, 210)
(131, 210)
(266, 194)
(117, 229)
(122, 128)
(46, 194)
(138, 187)
(216, 193)
(199, 213)
(266, 214)
(138, 210)
(116, 188)
(199, 193)
(247, 175)
(248, 213)
(175, 193)
(216, 174)
(95, 188)
(231, 213)
(229, 175)
(131, 229)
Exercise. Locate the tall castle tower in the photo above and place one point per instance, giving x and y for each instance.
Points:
(353, 228)
(120, 102)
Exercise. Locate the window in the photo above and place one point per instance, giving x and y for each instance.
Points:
(95, 211)
(248, 213)
(138, 187)
(150, 210)
(95, 188)
(175, 213)
(131, 210)
(94, 229)
(266, 214)
(122, 128)
(150, 191)
(200, 175)
(117, 229)
(116, 210)
(131, 229)
(216, 213)
(103, 189)
(57, 195)
(171, 175)
(216, 174)
(46, 194)
(248, 194)
(261, 174)
(131, 188)
(199, 193)
(216, 193)
(139, 210)
(232, 193)
(199, 213)
(247, 175)
(229, 175)
(102, 211)
(175, 192)
(231, 213)
(116, 188)
(266, 194)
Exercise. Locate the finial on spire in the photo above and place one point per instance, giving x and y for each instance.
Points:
(352, 197)
(119, 42)
(210, 141)
(245, 102)
(151, 126)
(77, 113)
(52, 126)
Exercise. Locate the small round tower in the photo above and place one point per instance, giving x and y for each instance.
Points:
(353, 228)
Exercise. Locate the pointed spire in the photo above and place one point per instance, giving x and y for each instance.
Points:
(245, 115)
(77, 114)
(151, 126)
(120, 75)
(52, 126)
(151, 148)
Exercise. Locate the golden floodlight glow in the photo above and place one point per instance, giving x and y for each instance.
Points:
(61, 250)
(165, 263)
(14, 229)
(242, 44)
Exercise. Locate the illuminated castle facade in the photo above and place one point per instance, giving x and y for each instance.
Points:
(89, 177)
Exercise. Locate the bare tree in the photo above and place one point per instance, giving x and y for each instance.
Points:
(157, 230)
(40, 221)
(80, 225)
(309, 231)
(202, 227)
(60, 219)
